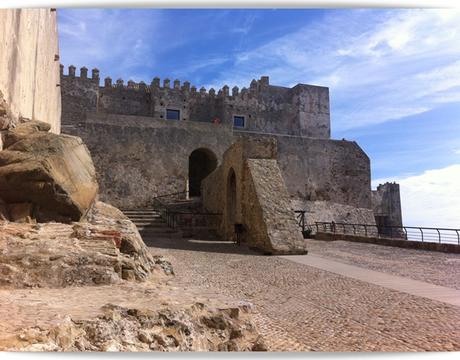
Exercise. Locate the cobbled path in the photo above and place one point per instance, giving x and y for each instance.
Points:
(301, 308)
(433, 267)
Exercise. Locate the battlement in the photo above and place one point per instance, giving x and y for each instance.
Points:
(83, 73)
(302, 110)
(388, 186)
(158, 86)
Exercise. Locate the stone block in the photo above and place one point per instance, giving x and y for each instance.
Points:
(53, 172)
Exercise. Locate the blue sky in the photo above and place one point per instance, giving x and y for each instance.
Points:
(394, 76)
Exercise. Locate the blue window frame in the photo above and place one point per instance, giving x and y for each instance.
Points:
(172, 114)
(238, 121)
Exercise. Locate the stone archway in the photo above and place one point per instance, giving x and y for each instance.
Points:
(201, 163)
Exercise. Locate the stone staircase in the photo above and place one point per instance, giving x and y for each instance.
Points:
(149, 223)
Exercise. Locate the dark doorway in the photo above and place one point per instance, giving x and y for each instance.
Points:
(231, 197)
(201, 163)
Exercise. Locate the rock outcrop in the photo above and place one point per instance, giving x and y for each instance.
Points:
(194, 328)
(48, 177)
(105, 250)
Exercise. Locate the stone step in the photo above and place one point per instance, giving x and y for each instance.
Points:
(151, 224)
(150, 213)
(139, 209)
(154, 230)
(144, 217)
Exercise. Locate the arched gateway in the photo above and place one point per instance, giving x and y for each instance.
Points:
(200, 164)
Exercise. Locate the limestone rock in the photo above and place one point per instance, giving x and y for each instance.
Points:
(54, 173)
(192, 328)
(4, 114)
(104, 251)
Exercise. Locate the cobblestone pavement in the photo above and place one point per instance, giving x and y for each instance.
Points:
(430, 266)
(303, 308)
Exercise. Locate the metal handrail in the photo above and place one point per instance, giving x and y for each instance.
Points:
(301, 219)
(172, 216)
(415, 233)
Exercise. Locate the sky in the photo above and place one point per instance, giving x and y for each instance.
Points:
(393, 76)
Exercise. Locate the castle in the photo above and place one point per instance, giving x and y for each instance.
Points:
(149, 140)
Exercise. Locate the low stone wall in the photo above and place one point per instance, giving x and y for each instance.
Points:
(448, 248)
(328, 211)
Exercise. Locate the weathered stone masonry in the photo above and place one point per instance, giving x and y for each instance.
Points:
(302, 110)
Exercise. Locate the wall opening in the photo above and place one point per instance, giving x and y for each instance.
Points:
(238, 121)
(172, 114)
(200, 164)
(231, 197)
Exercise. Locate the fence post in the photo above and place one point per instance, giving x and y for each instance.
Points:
(439, 235)
(421, 230)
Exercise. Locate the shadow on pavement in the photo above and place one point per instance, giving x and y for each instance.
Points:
(192, 244)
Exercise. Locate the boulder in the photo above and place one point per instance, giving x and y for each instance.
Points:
(54, 173)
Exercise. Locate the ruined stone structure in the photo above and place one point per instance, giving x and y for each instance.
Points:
(150, 140)
(386, 204)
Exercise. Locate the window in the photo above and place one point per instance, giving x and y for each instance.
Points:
(238, 121)
(172, 114)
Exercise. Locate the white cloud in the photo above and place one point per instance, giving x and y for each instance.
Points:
(114, 40)
(431, 199)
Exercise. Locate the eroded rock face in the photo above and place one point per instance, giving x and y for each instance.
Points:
(52, 173)
(194, 328)
(4, 115)
(102, 251)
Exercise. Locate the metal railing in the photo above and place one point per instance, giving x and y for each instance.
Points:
(177, 218)
(414, 233)
(160, 200)
(300, 218)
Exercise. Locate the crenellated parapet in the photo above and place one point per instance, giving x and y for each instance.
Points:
(71, 74)
(159, 86)
(302, 110)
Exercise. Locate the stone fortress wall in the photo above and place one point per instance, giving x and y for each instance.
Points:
(302, 110)
(29, 66)
(140, 154)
